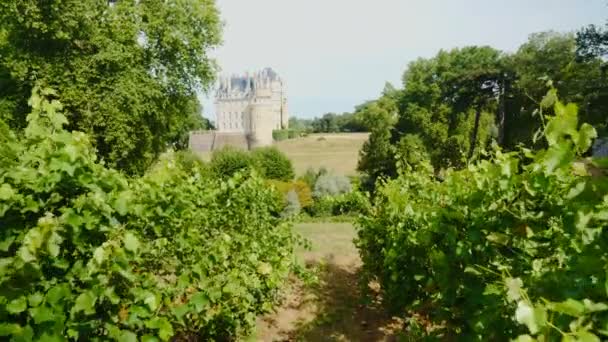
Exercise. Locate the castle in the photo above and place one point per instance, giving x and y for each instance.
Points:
(248, 108)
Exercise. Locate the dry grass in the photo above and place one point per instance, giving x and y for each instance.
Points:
(336, 152)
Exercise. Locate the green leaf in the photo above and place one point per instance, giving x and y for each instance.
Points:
(524, 338)
(151, 300)
(85, 302)
(594, 307)
(180, 311)
(499, 238)
(200, 301)
(6, 192)
(51, 337)
(17, 305)
(525, 314)
(35, 299)
(131, 242)
(264, 268)
(122, 202)
(57, 294)
(42, 314)
(8, 329)
(585, 139)
(127, 336)
(6, 244)
(149, 338)
(165, 330)
(586, 336)
(569, 307)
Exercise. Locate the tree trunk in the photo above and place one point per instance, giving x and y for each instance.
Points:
(475, 132)
(501, 112)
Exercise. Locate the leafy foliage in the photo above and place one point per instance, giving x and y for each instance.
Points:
(464, 250)
(228, 161)
(128, 72)
(331, 185)
(454, 104)
(273, 164)
(88, 254)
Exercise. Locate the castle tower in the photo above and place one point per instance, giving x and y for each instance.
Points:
(253, 104)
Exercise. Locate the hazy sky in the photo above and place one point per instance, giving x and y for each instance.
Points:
(335, 54)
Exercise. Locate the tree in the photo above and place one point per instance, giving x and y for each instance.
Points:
(448, 102)
(128, 71)
(592, 42)
(377, 156)
(551, 56)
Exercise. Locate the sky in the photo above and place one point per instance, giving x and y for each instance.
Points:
(336, 54)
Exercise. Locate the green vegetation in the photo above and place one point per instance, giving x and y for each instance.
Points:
(89, 254)
(127, 72)
(453, 105)
(273, 164)
(514, 244)
(330, 123)
(268, 162)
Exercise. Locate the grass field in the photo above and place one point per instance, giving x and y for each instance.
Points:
(337, 152)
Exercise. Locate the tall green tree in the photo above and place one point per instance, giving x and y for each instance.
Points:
(552, 56)
(127, 71)
(448, 101)
(377, 156)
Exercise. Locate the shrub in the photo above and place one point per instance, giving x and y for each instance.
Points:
(228, 161)
(301, 189)
(322, 207)
(293, 204)
(509, 246)
(273, 164)
(350, 203)
(89, 254)
(293, 134)
(280, 134)
(310, 176)
(304, 193)
(331, 185)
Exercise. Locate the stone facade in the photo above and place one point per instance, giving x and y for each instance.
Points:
(253, 105)
(247, 109)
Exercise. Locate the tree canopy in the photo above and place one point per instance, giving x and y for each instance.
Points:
(452, 105)
(127, 71)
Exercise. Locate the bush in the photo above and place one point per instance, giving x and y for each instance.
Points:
(331, 185)
(273, 164)
(293, 134)
(293, 204)
(89, 254)
(351, 203)
(228, 161)
(310, 176)
(304, 193)
(302, 190)
(322, 207)
(514, 245)
(280, 134)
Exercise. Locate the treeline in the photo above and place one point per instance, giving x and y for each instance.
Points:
(453, 105)
(330, 123)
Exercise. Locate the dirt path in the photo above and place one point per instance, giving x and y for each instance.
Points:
(334, 308)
